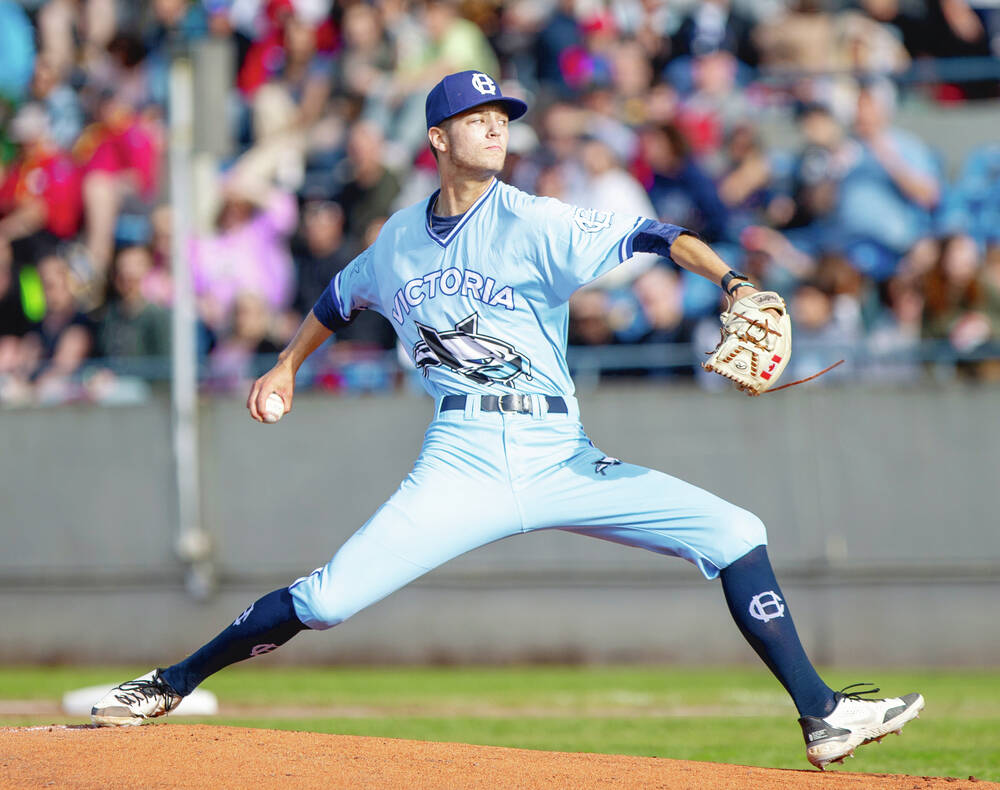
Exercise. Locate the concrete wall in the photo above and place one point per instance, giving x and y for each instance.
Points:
(880, 506)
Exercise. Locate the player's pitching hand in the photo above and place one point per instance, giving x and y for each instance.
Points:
(281, 380)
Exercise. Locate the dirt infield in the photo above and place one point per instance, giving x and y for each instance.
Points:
(200, 756)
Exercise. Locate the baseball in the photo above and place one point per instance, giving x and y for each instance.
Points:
(274, 408)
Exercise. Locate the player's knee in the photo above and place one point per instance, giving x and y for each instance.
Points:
(746, 531)
(327, 614)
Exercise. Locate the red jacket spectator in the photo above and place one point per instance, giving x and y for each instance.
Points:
(122, 142)
(44, 173)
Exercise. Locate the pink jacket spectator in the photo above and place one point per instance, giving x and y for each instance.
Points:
(251, 256)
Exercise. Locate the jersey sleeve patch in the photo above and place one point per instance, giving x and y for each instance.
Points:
(592, 220)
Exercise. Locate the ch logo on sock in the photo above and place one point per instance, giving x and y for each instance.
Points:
(767, 606)
(259, 650)
(243, 617)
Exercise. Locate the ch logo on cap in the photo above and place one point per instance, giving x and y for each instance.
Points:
(484, 84)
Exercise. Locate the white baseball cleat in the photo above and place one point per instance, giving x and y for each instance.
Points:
(854, 722)
(135, 702)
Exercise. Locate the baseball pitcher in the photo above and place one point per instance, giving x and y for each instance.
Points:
(475, 280)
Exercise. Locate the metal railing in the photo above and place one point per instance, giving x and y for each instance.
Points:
(926, 362)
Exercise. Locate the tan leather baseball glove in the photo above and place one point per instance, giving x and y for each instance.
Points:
(755, 344)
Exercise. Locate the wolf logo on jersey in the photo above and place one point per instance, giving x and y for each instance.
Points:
(478, 357)
(601, 465)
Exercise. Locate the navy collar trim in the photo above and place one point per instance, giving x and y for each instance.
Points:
(444, 242)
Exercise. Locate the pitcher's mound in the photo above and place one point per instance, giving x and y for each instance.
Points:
(200, 756)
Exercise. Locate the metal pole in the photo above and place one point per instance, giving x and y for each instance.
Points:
(193, 544)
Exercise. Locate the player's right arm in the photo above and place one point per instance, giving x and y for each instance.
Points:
(310, 335)
(351, 290)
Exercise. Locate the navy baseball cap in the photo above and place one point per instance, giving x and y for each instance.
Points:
(467, 89)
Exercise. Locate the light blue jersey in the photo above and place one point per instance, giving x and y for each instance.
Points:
(483, 313)
(484, 310)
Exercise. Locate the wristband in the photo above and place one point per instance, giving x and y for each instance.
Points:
(731, 275)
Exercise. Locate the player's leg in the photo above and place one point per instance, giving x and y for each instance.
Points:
(632, 505)
(454, 500)
(263, 626)
(833, 724)
(667, 515)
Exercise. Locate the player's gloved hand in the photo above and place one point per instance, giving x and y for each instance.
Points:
(756, 342)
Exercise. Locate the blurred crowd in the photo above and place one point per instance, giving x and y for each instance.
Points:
(642, 106)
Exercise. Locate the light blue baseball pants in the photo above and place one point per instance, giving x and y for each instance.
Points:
(483, 476)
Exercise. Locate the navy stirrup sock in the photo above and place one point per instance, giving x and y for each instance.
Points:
(759, 609)
(266, 625)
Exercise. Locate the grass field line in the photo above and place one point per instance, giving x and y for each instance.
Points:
(474, 709)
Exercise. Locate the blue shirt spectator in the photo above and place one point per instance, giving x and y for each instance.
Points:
(17, 51)
(887, 196)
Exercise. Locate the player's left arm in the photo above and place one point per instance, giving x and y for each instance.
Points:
(686, 250)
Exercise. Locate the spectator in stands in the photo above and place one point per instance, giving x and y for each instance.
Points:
(16, 51)
(589, 312)
(559, 33)
(319, 251)
(822, 330)
(120, 157)
(807, 214)
(40, 200)
(132, 327)
(631, 77)
(712, 26)
(450, 43)
(233, 361)
(896, 332)
(61, 102)
(157, 285)
(247, 253)
(76, 32)
(561, 126)
(362, 68)
(680, 190)
(800, 38)
(649, 24)
(865, 44)
(370, 188)
(610, 187)
(14, 324)
(659, 294)
(989, 278)
(744, 185)
(603, 113)
(819, 167)
(972, 204)
(939, 29)
(888, 193)
(123, 71)
(588, 63)
(955, 298)
(287, 100)
(59, 346)
(773, 261)
(174, 21)
(715, 105)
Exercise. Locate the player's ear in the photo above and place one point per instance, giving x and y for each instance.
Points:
(438, 138)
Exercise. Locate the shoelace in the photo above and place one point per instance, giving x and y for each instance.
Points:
(863, 694)
(138, 690)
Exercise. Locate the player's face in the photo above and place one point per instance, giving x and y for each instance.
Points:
(477, 139)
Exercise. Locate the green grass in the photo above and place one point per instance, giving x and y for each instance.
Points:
(720, 715)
